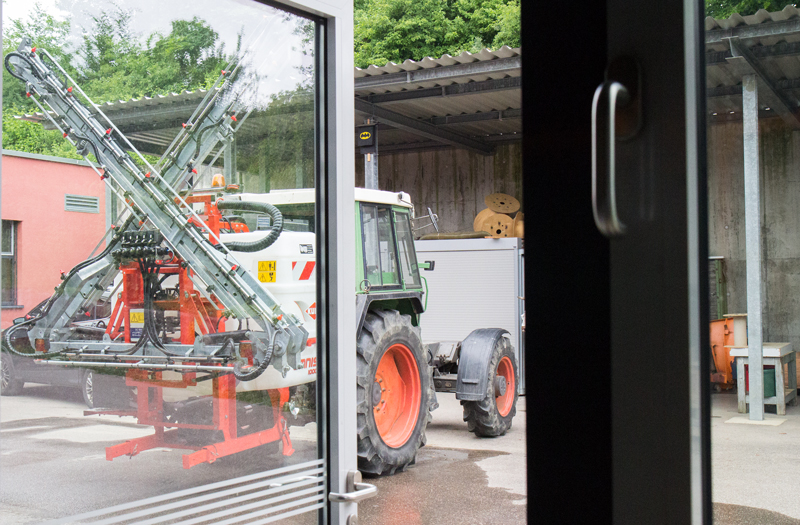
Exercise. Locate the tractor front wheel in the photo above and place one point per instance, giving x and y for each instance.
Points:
(492, 416)
(9, 384)
(87, 388)
(395, 393)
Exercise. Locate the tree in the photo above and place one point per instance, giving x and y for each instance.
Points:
(724, 8)
(111, 63)
(46, 32)
(396, 30)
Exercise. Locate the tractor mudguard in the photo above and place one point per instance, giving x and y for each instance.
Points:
(473, 363)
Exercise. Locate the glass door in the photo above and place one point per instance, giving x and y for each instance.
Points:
(168, 205)
(617, 174)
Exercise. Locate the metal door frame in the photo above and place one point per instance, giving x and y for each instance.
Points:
(336, 380)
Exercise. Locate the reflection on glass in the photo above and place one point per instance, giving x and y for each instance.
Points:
(193, 320)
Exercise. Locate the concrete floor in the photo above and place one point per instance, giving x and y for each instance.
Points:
(458, 478)
(755, 468)
(52, 464)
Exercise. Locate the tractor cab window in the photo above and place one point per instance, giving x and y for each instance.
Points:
(380, 253)
(408, 256)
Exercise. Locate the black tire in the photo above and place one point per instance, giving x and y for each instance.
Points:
(483, 417)
(9, 384)
(87, 388)
(382, 330)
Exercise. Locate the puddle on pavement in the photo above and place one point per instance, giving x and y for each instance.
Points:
(424, 493)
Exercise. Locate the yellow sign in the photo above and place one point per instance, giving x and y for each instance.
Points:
(137, 317)
(266, 271)
(266, 266)
(365, 135)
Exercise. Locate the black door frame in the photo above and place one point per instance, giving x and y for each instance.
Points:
(573, 427)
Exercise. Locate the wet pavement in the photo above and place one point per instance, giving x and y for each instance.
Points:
(445, 486)
(458, 478)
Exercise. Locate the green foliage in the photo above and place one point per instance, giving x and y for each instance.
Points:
(117, 67)
(21, 135)
(724, 8)
(396, 30)
(46, 32)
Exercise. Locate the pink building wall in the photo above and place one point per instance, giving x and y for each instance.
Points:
(49, 239)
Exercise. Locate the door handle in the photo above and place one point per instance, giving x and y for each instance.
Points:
(616, 115)
(356, 490)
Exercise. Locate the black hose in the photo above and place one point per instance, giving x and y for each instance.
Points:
(11, 69)
(257, 207)
(254, 372)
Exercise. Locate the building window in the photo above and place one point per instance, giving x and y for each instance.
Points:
(9, 265)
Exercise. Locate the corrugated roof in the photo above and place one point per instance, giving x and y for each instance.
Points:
(761, 16)
(474, 87)
(470, 86)
(483, 55)
(773, 39)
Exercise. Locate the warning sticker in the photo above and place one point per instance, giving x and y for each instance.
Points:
(312, 311)
(266, 266)
(137, 323)
(266, 271)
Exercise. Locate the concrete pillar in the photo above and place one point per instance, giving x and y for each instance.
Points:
(752, 215)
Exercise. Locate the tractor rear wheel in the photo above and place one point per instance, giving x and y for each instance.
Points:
(492, 415)
(395, 393)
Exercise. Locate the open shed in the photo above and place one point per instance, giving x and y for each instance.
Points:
(764, 47)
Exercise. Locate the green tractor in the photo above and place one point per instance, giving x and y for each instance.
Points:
(398, 371)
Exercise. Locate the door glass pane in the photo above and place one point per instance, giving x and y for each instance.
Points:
(753, 148)
(388, 254)
(177, 357)
(408, 257)
(369, 229)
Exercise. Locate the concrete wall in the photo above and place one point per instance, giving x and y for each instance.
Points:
(49, 239)
(453, 182)
(780, 207)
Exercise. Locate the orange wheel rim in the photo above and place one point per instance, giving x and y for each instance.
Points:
(506, 401)
(396, 395)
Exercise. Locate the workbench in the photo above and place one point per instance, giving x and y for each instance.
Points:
(778, 355)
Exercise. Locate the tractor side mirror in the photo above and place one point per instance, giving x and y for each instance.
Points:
(427, 265)
(19, 320)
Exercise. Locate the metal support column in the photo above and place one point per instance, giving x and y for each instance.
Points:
(371, 171)
(371, 165)
(752, 207)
